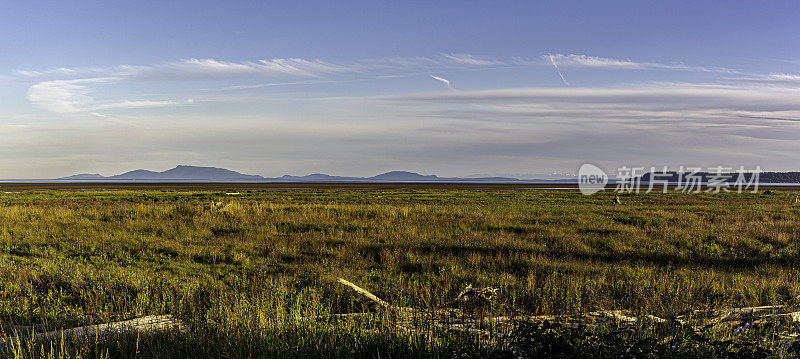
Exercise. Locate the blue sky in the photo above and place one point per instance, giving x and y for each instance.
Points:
(362, 87)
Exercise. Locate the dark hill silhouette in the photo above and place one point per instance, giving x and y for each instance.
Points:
(179, 173)
(85, 176)
(402, 176)
(192, 173)
(138, 175)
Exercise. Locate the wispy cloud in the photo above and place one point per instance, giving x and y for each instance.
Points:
(70, 96)
(467, 59)
(573, 60)
(64, 96)
(446, 82)
(781, 79)
(664, 101)
(204, 68)
(208, 68)
(272, 67)
(68, 90)
(596, 62)
(272, 84)
(555, 66)
(585, 61)
(728, 95)
(58, 71)
(72, 93)
(138, 104)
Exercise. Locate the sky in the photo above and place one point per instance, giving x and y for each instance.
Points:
(357, 88)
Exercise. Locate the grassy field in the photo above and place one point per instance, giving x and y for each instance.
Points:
(243, 273)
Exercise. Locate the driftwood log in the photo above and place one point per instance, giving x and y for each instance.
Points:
(365, 293)
(139, 325)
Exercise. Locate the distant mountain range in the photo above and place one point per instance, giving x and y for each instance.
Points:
(213, 174)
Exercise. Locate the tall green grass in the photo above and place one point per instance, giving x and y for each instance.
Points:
(242, 274)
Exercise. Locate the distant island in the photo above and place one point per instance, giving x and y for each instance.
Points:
(185, 173)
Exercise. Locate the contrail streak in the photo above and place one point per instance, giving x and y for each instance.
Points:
(445, 81)
(553, 61)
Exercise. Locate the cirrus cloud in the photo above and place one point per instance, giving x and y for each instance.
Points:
(70, 96)
(64, 96)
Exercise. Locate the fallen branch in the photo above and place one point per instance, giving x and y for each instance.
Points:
(365, 293)
(140, 325)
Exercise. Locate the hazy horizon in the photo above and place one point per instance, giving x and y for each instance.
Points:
(360, 88)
